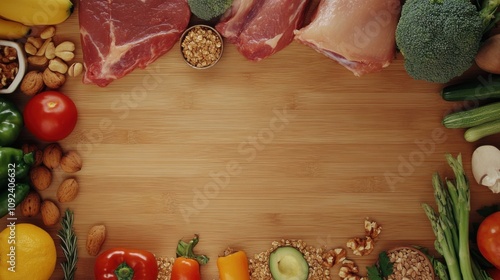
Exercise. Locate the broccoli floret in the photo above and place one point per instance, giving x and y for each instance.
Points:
(209, 9)
(439, 39)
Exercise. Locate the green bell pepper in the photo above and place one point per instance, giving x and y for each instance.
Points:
(11, 122)
(14, 164)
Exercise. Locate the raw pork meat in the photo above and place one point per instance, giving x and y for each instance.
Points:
(260, 28)
(119, 35)
(359, 34)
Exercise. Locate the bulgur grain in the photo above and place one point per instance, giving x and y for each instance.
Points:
(164, 267)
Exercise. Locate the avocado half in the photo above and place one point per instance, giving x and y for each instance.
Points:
(288, 263)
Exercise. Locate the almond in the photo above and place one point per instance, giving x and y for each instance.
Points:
(52, 155)
(95, 239)
(41, 177)
(71, 162)
(68, 190)
(31, 204)
(50, 213)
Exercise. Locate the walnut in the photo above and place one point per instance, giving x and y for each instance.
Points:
(372, 229)
(334, 256)
(32, 83)
(53, 80)
(361, 246)
(349, 271)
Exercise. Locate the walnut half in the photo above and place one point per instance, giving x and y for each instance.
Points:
(32, 83)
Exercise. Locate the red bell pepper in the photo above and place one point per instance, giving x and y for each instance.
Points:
(187, 264)
(125, 264)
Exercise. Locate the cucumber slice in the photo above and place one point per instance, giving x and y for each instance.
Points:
(288, 263)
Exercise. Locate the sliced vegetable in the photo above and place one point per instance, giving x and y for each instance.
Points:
(287, 263)
(11, 197)
(473, 117)
(488, 239)
(486, 167)
(187, 264)
(473, 90)
(125, 264)
(233, 266)
(480, 131)
(11, 122)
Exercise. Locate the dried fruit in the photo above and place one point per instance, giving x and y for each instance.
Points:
(95, 239)
(50, 213)
(31, 204)
(32, 83)
(71, 162)
(41, 177)
(68, 190)
(52, 155)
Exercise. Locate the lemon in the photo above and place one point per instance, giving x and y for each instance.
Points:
(26, 252)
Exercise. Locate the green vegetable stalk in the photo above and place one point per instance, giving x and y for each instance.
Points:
(451, 224)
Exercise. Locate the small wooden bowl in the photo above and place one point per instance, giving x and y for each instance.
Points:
(404, 266)
(215, 52)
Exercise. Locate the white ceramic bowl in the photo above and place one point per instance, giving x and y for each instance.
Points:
(21, 58)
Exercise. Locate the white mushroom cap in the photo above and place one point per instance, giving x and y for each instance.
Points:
(486, 167)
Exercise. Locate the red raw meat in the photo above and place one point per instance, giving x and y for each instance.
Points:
(120, 35)
(260, 28)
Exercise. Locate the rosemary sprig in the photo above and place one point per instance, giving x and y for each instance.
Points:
(68, 245)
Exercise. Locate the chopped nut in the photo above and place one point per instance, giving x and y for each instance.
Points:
(410, 263)
(57, 65)
(201, 47)
(32, 83)
(372, 229)
(53, 80)
(361, 246)
(75, 69)
(48, 32)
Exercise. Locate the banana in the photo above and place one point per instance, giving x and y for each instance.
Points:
(36, 12)
(13, 30)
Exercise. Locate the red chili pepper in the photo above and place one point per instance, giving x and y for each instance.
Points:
(187, 264)
(125, 264)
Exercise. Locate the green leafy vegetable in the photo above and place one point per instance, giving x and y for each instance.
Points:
(382, 269)
(68, 245)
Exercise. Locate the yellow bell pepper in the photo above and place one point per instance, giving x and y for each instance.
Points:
(233, 266)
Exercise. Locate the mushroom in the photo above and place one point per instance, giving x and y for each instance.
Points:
(486, 167)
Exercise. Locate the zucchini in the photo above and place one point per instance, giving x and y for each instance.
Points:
(473, 90)
(473, 117)
(477, 132)
(16, 196)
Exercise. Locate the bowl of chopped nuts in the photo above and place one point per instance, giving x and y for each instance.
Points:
(410, 263)
(201, 46)
(12, 66)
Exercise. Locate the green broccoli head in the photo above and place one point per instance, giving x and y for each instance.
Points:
(209, 9)
(438, 39)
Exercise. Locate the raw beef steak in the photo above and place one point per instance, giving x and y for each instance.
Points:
(120, 35)
(260, 28)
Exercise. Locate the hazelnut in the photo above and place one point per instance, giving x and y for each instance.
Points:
(41, 177)
(71, 162)
(32, 83)
(52, 155)
(53, 80)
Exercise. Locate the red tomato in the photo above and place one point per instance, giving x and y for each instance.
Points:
(488, 239)
(494, 273)
(50, 116)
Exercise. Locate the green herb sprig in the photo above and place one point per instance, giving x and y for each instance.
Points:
(383, 269)
(68, 245)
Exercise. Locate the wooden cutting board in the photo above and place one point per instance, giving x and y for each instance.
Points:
(245, 153)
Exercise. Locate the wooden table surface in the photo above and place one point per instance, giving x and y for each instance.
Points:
(244, 153)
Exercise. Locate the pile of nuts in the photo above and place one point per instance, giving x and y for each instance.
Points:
(49, 62)
(410, 263)
(46, 160)
(9, 66)
(201, 46)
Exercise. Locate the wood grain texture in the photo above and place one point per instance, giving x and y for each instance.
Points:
(245, 153)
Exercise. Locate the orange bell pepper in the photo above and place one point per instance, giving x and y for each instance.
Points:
(187, 264)
(233, 266)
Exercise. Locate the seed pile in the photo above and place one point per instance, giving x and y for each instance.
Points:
(201, 47)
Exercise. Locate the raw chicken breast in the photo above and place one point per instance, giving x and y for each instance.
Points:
(359, 34)
(260, 28)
